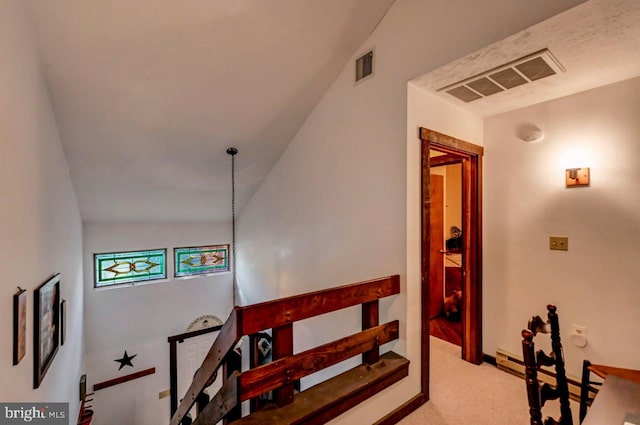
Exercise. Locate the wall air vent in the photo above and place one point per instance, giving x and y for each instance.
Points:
(525, 70)
(364, 66)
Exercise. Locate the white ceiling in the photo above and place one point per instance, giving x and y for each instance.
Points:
(148, 94)
(598, 42)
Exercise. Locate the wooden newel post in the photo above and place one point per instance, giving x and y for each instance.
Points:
(282, 346)
(370, 319)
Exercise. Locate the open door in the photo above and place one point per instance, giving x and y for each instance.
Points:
(436, 246)
(470, 157)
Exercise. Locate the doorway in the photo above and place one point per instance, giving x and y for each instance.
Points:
(446, 229)
(469, 156)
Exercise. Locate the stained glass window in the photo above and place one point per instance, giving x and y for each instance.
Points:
(200, 260)
(119, 268)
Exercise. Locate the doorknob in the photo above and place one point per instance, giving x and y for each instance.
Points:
(442, 251)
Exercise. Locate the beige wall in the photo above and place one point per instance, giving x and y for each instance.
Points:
(141, 317)
(596, 282)
(342, 203)
(40, 226)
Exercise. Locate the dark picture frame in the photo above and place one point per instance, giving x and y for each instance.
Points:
(63, 321)
(19, 325)
(46, 331)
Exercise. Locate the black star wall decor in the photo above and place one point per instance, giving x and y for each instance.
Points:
(125, 360)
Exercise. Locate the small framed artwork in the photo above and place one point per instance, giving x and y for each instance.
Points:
(19, 325)
(63, 321)
(46, 331)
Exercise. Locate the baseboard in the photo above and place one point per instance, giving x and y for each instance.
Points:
(401, 412)
(489, 359)
(510, 363)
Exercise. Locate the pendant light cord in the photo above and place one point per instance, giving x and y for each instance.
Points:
(233, 152)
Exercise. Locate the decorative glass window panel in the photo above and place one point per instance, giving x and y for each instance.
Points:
(119, 268)
(200, 260)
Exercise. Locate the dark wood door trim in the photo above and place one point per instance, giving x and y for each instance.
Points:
(470, 156)
(458, 151)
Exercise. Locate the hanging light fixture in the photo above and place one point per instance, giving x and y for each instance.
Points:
(233, 152)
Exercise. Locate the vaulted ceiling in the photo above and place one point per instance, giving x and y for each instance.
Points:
(148, 94)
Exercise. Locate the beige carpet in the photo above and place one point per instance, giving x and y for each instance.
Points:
(466, 394)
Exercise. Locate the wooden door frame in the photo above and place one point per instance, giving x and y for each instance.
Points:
(470, 156)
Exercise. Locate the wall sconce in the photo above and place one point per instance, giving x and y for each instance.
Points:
(575, 177)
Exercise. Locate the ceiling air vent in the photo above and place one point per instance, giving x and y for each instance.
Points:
(530, 68)
(364, 66)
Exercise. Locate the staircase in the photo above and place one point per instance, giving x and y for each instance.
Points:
(315, 405)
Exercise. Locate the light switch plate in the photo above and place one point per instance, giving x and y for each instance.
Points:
(560, 243)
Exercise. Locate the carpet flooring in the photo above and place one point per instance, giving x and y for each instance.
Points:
(466, 394)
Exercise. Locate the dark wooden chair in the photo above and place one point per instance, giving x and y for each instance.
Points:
(538, 394)
(587, 386)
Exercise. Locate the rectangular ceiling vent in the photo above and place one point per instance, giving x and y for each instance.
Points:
(364, 66)
(525, 70)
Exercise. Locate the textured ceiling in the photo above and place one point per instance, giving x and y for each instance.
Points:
(598, 42)
(149, 93)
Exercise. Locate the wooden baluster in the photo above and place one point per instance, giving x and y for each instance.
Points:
(561, 378)
(283, 347)
(254, 403)
(370, 319)
(232, 363)
(533, 388)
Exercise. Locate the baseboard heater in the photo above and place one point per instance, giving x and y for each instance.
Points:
(510, 363)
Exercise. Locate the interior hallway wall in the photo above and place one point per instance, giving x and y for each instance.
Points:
(334, 208)
(39, 220)
(140, 318)
(595, 282)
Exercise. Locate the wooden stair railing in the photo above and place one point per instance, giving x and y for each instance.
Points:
(225, 342)
(286, 368)
(173, 360)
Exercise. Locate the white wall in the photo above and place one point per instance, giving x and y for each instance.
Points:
(334, 208)
(428, 111)
(140, 318)
(39, 219)
(595, 283)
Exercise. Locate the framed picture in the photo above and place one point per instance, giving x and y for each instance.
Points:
(46, 331)
(63, 321)
(19, 325)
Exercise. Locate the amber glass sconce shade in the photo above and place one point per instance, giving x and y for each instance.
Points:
(576, 177)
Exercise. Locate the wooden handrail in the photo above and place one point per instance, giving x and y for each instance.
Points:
(272, 314)
(268, 377)
(186, 335)
(173, 361)
(603, 371)
(122, 379)
(222, 403)
(279, 315)
(227, 339)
